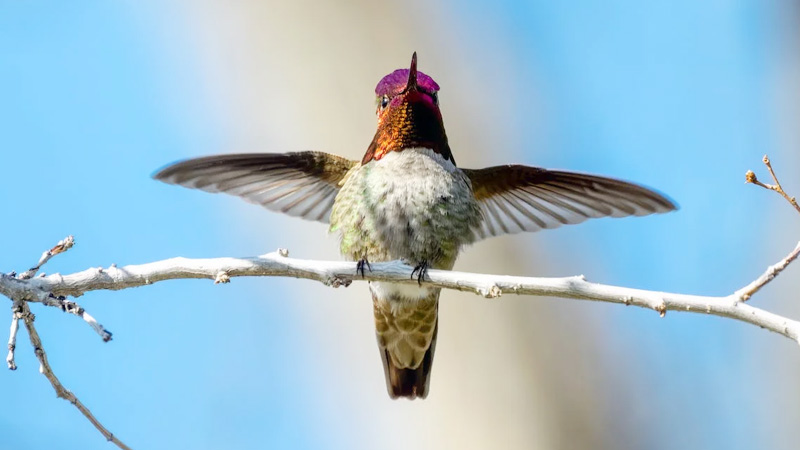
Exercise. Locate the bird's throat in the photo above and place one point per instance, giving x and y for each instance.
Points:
(409, 125)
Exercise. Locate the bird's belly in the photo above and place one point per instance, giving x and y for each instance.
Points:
(410, 205)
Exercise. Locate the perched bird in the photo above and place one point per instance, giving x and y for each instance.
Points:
(406, 199)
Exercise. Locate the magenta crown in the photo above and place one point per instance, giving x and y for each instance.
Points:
(396, 81)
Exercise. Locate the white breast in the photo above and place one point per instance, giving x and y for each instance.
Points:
(431, 178)
(410, 184)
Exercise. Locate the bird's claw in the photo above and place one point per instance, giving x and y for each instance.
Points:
(361, 264)
(421, 271)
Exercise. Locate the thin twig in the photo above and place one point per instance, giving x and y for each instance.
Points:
(62, 392)
(772, 271)
(12, 338)
(750, 177)
(62, 246)
(67, 306)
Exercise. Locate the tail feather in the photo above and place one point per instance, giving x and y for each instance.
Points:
(409, 383)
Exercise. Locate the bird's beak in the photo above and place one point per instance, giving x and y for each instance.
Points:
(412, 74)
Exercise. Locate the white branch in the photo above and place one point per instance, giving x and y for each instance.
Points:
(61, 302)
(336, 274)
(62, 392)
(62, 246)
(12, 338)
(21, 311)
(50, 299)
(746, 292)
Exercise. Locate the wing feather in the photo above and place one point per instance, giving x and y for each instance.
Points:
(302, 184)
(517, 198)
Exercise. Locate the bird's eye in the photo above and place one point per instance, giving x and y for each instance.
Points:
(384, 101)
(435, 97)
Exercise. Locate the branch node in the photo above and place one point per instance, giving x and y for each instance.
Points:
(222, 277)
(335, 281)
(494, 291)
(63, 245)
(662, 309)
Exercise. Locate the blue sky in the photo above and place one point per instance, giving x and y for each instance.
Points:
(677, 95)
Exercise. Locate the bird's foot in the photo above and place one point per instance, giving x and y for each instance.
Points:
(361, 264)
(421, 271)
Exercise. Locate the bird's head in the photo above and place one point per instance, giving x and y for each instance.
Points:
(408, 114)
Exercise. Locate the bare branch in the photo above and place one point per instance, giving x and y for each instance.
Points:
(16, 309)
(59, 301)
(337, 273)
(746, 292)
(21, 310)
(67, 306)
(750, 177)
(62, 392)
(772, 271)
(62, 246)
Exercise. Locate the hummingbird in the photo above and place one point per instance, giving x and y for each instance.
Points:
(407, 200)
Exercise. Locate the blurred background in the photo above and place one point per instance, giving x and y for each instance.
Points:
(683, 96)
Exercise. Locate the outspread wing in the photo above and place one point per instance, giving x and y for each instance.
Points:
(302, 184)
(517, 198)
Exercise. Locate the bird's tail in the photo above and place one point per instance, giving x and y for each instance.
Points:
(409, 383)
